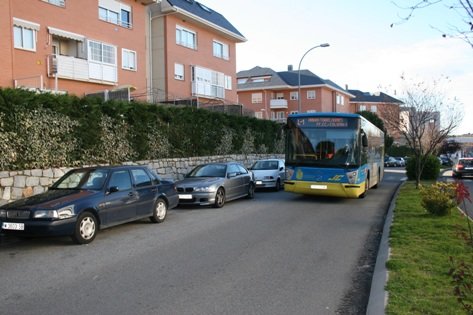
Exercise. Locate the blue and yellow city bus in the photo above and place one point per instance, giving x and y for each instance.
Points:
(333, 154)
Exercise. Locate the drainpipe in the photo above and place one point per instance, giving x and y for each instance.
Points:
(150, 31)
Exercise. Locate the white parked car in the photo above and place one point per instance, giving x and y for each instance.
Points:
(269, 173)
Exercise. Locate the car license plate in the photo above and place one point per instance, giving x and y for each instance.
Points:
(258, 182)
(185, 196)
(13, 226)
(318, 186)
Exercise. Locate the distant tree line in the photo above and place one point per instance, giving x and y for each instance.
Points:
(46, 130)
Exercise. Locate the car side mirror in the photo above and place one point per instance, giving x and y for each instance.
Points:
(230, 175)
(113, 189)
(281, 168)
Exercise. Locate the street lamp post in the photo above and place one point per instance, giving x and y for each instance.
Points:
(299, 75)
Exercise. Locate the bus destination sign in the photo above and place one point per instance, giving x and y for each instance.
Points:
(323, 122)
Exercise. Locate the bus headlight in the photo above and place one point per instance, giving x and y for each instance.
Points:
(352, 176)
(289, 173)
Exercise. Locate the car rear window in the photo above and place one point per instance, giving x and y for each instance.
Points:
(466, 162)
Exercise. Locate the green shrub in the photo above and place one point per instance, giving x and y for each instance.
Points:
(47, 130)
(439, 198)
(431, 169)
(226, 142)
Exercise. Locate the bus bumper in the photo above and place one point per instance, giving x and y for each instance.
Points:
(325, 189)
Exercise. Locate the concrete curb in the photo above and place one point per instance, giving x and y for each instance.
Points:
(378, 295)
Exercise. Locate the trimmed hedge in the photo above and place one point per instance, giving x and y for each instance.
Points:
(46, 130)
(431, 169)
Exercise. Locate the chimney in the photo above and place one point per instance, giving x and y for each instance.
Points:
(289, 68)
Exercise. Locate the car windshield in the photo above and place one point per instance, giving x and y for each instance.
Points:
(265, 165)
(91, 179)
(209, 170)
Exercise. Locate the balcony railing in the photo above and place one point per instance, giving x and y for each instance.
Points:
(278, 104)
(34, 82)
(279, 120)
(67, 67)
(208, 90)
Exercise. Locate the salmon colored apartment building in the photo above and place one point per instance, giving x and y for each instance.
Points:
(383, 105)
(193, 54)
(274, 95)
(75, 46)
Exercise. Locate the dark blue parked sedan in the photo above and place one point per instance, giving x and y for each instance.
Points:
(88, 199)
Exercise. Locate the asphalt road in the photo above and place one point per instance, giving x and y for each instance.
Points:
(276, 254)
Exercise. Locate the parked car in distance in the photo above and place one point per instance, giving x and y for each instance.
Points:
(215, 183)
(389, 161)
(400, 161)
(269, 173)
(446, 161)
(85, 200)
(463, 167)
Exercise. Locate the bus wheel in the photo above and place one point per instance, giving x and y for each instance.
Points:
(375, 186)
(367, 185)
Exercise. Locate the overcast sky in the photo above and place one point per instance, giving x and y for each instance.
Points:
(365, 53)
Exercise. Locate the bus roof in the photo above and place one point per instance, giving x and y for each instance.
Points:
(324, 114)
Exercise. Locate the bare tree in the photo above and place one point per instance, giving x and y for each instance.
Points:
(426, 120)
(463, 8)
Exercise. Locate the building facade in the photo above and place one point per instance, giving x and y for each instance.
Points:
(79, 47)
(193, 54)
(274, 95)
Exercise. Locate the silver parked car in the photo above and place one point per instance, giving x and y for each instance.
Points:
(399, 161)
(215, 183)
(269, 173)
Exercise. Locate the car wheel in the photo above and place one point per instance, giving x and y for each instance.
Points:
(160, 211)
(219, 198)
(278, 185)
(251, 191)
(86, 228)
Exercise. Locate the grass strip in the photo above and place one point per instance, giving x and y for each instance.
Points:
(421, 248)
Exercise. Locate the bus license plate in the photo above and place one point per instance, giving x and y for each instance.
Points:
(318, 186)
(13, 226)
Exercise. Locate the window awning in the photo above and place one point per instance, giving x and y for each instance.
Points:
(26, 24)
(65, 34)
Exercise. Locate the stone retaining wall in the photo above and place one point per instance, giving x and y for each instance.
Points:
(15, 185)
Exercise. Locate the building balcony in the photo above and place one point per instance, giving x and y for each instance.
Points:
(279, 120)
(207, 90)
(146, 2)
(72, 68)
(278, 104)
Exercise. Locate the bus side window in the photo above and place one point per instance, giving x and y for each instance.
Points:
(364, 139)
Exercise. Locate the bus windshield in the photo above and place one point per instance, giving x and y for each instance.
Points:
(323, 146)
